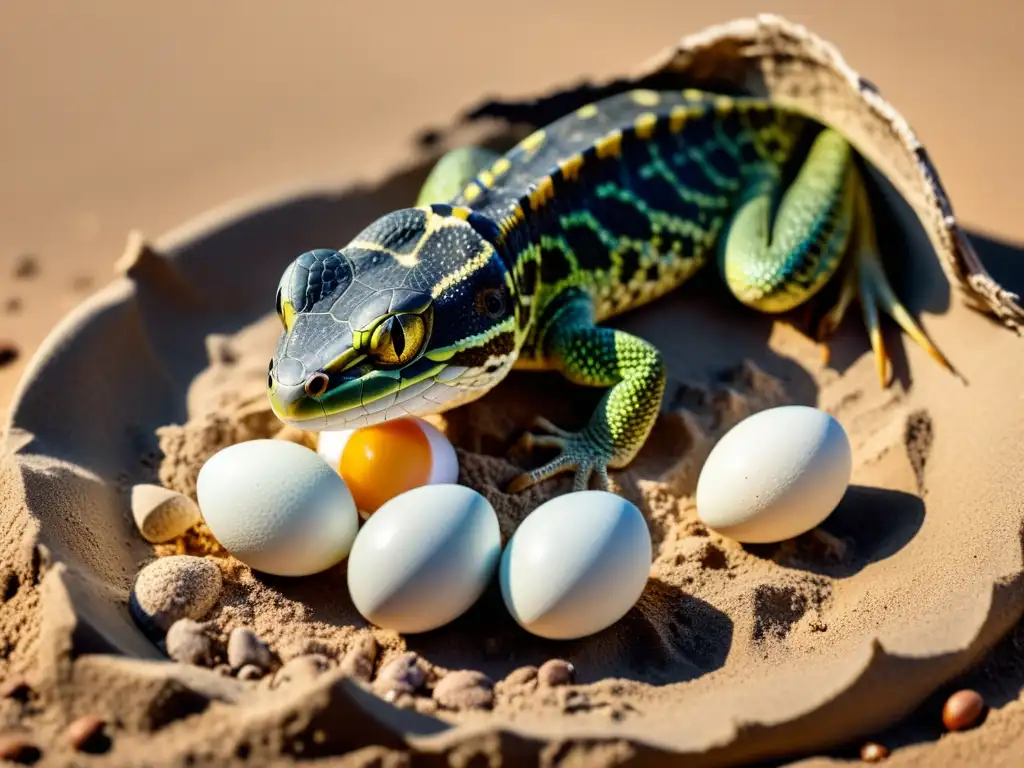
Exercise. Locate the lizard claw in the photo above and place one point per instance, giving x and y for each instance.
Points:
(578, 452)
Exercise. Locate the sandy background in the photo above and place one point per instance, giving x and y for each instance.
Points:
(118, 118)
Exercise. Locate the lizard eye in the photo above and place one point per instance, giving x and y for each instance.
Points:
(492, 303)
(398, 339)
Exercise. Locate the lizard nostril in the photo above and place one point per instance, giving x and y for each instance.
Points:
(316, 384)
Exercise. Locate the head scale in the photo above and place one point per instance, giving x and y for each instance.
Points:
(414, 316)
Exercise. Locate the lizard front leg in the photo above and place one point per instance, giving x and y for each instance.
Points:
(601, 357)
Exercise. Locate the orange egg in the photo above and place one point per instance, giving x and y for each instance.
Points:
(379, 462)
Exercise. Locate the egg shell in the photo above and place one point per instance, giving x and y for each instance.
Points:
(424, 557)
(576, 565)
(775, 475)
(443, 469)
(277, 506)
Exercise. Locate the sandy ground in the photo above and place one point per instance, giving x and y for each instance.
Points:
(119, 118)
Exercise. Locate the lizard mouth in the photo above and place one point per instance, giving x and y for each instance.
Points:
(421, 389)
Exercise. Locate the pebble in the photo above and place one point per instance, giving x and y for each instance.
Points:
(26, 267)
(18, 748)
(521, 676)
(873, 753)
(359, 660)
(301, 669)
(464, 689)
(86, 735)
(161, 514)
(555, 672)
(8, 353)
(250, 672)
(246, 649)
(403, 674)
(172, 588)
(962, 710)
(188, 642)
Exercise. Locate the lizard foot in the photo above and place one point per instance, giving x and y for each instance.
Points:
(865, 279)
(578, 452)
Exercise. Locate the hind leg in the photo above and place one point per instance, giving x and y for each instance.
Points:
(823, 228)
(866, 279)
(453, 172)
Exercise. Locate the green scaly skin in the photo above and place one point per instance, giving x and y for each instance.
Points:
(514, 260)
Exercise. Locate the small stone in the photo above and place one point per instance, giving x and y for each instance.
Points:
(521, 676)
(86, 735)
(189, 642)
(246, 649)
(301, 669)
(403, 674)
(250, 672)
(13, 305)
(555, 672)
(962, 710)
(464, 689)
(27, 266)
(359, 660)
(161, 514)
(873, 753)
(8, 353)
(172, 588)
(18, 749)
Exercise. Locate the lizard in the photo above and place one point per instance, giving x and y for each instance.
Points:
(514, 260)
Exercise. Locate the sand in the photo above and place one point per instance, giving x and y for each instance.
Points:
(804, 648)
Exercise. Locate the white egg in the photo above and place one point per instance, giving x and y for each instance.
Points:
(775, 475)
(277, 506)
(380, 461)
(424, 558)
(576, 565)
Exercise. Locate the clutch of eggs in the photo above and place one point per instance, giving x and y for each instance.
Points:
(381, 461)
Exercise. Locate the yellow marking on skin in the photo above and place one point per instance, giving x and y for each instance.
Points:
(471, 192)
(478, 340)
(532, 142)
(501, 166)
(570, 167)
(514, 218)
(468, 267)
(610, 145)
(435, 222)
(440, 355)
(288, 314)
(645, 125)
(677, 119)
(587, 111)
(645, 98)
(693, 94)
(486, 179)
(545, 191)
(346, 359)
(724, 105)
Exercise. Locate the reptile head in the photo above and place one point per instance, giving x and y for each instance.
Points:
(414, 316)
